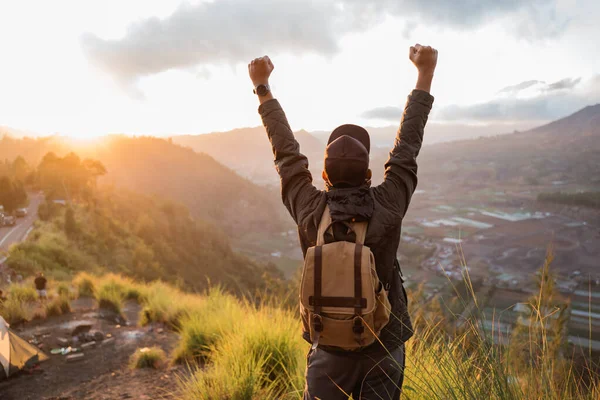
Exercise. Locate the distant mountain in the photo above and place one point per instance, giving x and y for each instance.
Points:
(248, 151)
(383, 137)
(566, 150)
(211, 191)
(584, 122)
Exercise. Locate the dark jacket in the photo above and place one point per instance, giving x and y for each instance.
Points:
(306, 203)
(40, 283)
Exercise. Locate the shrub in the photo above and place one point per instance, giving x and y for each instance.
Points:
(110, 295)
(22, 293)
(153, 357)
(85, 284)
(243, 382)
(160, 307)
(110, 299)
(63, 289)
(206, 323)
(263, 357)
(59, 305)
(15, 311)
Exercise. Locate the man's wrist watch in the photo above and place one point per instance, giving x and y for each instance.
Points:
(262, 90)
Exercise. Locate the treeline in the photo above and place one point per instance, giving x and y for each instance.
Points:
(585, 199)
(142, 237)
(68, 177)
(14, 175)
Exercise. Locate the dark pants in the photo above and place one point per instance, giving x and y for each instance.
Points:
(332, 376)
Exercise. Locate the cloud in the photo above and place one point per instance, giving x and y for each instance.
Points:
(547, 102)
(567, 83)
(388, 113)
(518, 87)
(233, 31)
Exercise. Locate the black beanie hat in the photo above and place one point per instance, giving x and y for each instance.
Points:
(347, 159)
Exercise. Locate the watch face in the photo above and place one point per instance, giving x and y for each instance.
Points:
(262, 90)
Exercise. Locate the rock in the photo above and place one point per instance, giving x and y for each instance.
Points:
(63, 342)
(81, 328)
(75, 357)
(98, 336)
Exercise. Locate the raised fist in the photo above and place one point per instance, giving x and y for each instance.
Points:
(259, 70)
(424, 58)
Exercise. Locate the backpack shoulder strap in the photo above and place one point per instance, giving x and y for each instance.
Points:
(360, 228)
(325, 222)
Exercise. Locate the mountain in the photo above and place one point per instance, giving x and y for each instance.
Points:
(383, 137)
(209, 189)
(563, 151)
(584, 122)
(248, 151)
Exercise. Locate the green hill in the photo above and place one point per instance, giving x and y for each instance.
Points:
(209, 189)
(110, 229)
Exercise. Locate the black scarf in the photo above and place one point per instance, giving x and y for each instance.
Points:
(351, 203)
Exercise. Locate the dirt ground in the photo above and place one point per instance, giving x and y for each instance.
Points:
(103, 373)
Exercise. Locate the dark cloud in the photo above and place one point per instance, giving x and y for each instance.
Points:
(549, 101)
(567, 83)
(518, 87)
(233, 31)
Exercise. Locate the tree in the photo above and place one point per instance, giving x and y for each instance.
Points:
(71, 228)
(12, 194)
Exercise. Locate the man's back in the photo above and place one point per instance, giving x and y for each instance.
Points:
(40, 283)
(371, 372)
(384, 205)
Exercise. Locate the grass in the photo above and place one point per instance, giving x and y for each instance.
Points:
(206, 323)
(63, 289)
(60, 304)
(159, 305)
(112, 290)
(240, 349)
(14, 311)
(22, 292)
(262, 359)
(148, 357)
(84, 283)
(110, 299)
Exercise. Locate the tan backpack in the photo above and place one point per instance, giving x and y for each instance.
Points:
(342, 301)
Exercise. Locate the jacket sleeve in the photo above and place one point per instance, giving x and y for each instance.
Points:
(400, 176)
(298, 193)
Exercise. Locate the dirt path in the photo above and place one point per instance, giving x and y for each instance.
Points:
(103, 372)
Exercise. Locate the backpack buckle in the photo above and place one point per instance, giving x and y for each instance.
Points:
(317, 323)
(357, 327)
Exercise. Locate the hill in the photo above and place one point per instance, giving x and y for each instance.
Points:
(248, 151)
(209, 189)
(566, 151)
(143, 237)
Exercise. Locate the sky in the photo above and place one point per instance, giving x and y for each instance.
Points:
(90, 68)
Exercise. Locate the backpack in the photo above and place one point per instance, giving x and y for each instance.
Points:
(342, 302)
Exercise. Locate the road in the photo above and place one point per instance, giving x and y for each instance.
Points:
(10, 235)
